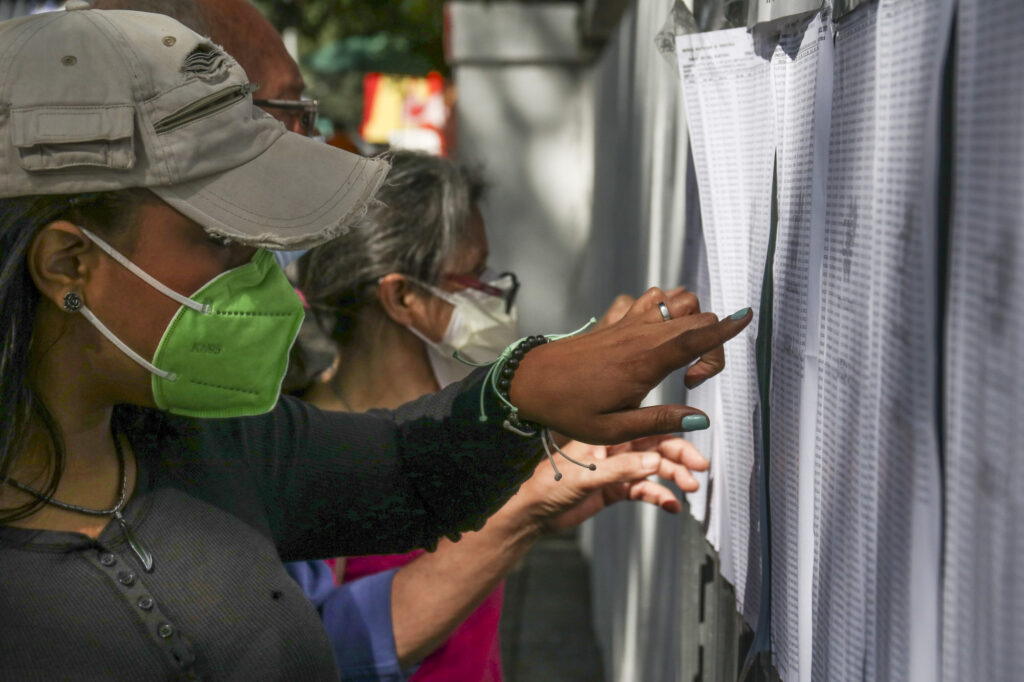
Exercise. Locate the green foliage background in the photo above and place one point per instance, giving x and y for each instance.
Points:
(340, 40)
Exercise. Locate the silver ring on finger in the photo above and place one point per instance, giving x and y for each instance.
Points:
(663, 309)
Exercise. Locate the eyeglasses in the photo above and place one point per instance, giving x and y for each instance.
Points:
(493, 286)
(305, 109)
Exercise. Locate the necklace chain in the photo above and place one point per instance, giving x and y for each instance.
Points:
(144, 556)
(113, 511)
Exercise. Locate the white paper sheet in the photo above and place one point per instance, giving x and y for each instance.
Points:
(801, 57)
(983, 613)
(729, 113)
(846, 504)
(695, 271)
(912, 38)
(879, 496)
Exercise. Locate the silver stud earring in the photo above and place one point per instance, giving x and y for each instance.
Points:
(72, 302)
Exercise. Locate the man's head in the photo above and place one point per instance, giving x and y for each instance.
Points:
(240, 29)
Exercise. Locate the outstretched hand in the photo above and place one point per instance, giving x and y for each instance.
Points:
(621, 474)
(589, 387)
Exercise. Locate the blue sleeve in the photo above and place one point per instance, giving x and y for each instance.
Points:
(357, 617)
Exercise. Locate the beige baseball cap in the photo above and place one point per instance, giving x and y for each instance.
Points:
(100, 100)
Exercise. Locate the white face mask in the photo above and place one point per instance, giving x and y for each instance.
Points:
(479, 328)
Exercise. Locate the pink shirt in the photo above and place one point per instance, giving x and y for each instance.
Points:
(471, 653)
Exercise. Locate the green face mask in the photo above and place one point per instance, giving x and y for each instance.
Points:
(225, 352)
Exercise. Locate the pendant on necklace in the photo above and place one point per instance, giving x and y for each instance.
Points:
(145, 558)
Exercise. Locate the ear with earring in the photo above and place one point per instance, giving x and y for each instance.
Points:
(72, 302)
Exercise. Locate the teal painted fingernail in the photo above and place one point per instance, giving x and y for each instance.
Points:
(739, 314)
(695, 422)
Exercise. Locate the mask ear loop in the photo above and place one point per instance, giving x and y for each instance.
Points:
(203, 308)
(163, 374)
(445, 296)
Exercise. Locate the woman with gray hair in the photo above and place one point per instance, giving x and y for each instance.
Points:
(424, 231)
(399, 295)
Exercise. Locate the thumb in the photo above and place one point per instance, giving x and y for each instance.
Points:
(648, 421)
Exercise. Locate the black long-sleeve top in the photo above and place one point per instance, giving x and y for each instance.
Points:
(220, 504)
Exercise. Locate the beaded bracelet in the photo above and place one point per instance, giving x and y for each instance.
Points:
(499, 379)
(508, 370)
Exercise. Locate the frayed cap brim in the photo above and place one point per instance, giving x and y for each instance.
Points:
(297, 194)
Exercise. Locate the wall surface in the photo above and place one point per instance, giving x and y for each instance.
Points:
(644, 570)
(592, 190)
(524, 114)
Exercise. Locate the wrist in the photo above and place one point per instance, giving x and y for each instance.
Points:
(521, 361)
(522, 390)
(517, 521)
(501, 378)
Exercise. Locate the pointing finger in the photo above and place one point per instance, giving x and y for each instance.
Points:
(704, 343)
(713, 361)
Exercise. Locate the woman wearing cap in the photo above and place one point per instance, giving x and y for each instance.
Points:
(399, 295)
(152, 479)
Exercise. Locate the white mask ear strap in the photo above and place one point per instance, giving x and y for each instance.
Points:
(145, 277)
(422, 337)
(445, 296)
(84, 309)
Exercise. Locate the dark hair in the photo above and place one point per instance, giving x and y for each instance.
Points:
(107, 213)
(421, 214)
(187, 12)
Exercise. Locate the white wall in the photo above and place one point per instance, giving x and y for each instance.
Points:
(590, 199)
(641, 207)
(524, 112)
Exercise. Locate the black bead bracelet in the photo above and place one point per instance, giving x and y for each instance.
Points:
(499, 379)
(508, 371)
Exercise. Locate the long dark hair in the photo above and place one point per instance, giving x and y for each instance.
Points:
(107, 213)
